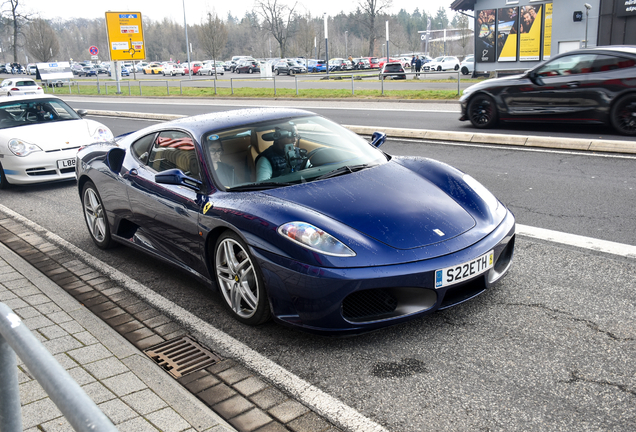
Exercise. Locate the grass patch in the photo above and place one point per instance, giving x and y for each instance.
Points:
(251, 92)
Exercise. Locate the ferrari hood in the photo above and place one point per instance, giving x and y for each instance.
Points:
(389, 203)
(55, 135)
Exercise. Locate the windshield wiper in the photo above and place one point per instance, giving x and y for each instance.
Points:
(347, 169)
(257, 186)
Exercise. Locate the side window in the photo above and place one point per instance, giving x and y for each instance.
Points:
(605, 63)
(141, 148)
(174, 149)
(569, 65)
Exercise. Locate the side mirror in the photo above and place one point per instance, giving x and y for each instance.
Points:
(535, 78)
(82, 112)
(178, 177)
(378, 138)
(115, 159)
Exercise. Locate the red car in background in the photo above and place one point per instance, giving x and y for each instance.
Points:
(382, 60)
(196, 65)
(373, 61)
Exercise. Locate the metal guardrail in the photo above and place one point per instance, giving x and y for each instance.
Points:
(339, 76)
(15, 338)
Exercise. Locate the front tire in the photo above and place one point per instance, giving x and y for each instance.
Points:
(482, 112)
(239, 280)
(95, 216)
(4, 184)
(623, 115)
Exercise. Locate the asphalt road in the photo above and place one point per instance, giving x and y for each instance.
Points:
(550, 348)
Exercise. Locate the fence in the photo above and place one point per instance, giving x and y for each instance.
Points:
(304, 80)
(15, 338)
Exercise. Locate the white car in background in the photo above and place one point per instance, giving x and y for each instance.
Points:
(468, 65)
(20, 86)
(40, 137)
(442, 63)
(173, 69)
(208, 68)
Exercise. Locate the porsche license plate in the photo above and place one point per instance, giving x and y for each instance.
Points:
(66, 163)
(461, 272)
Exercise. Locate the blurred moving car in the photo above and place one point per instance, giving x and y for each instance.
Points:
(19, 87)
(392, 71)
(467, 66)
(592, 85)
(310, 246)
(248, 66)
(39, 139)
(442, 63)
(153, 68)
(173, 69)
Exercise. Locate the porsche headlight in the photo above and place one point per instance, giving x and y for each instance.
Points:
(481, 190)
(22, 148)
(102, 133)
(315, 239)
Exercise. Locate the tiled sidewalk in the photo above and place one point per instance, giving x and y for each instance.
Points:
(125, 384)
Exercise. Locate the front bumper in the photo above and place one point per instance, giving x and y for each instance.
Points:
(38, 167)
(355, 300)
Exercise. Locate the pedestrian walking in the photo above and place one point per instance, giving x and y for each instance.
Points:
(418, 66)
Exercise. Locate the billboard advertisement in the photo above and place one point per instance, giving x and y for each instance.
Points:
(485, 32)
(547, 31)
(530, 23)
(507, 32)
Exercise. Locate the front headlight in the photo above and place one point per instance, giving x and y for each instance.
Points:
(315, 239)
(22, 148)
(102, 133)
(481, 190)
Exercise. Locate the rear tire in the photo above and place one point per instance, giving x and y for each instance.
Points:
(623, 115)
(482, 111)
(95, 217)
(465, 70)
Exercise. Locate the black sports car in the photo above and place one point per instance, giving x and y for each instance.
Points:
(593, 85)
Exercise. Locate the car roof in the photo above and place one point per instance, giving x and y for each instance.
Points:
(203, 123)
(27, 98)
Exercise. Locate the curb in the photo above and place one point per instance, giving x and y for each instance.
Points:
(579, 144)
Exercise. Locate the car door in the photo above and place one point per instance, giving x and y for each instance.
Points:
(167, 214)
(560, 91)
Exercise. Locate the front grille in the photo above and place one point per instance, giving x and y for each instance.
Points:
(462, 292)
(40, 172)
(366, 304)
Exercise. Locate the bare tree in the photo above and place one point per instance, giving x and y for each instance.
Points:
(278, 19)
(41, 41)
(212, 36)
(17, 21)
(368, 11)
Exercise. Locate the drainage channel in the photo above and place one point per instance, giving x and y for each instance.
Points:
(241, 397)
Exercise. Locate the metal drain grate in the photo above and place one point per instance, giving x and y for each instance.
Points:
(181, 356)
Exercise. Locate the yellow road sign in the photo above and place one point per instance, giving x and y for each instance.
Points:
(125, 36)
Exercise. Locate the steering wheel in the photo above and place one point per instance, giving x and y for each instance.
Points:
(311, 154)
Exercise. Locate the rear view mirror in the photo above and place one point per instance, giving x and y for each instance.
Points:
(535, 78)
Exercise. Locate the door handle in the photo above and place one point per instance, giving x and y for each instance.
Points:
(133, 172)
(573, 84)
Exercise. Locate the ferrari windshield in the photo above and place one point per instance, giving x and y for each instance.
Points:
(33, 111)
(284, 152)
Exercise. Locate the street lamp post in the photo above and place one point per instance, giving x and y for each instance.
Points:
(185, 24)
(387, 41)
(587, 19)
(326, 44)
(346, 48)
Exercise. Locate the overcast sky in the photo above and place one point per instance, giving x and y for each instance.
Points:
(197, 9)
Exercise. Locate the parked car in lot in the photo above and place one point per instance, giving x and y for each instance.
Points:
(173, 69)
(442, 63)
(269, 246)
(374, 63)
(87, 71)
(339, 64)
(361, 63)
(124, 71)
(31, 69)
(248, 66)
(39, 139)
(316, 66)
(101, 68)
(210, 68)
(592, 85)
(467, 66)
(153, 68)
(287, 67)
(19, 86)
(392, 71)
(195, 65)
